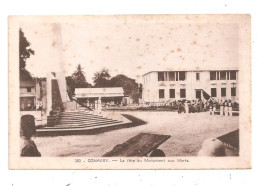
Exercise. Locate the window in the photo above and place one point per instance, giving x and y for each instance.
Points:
(172, 76)
(166, 76)
(227, 75)
(172, 93)
(198, 94)
(213, 75)
(223, 92)
(233, 91)
(160, 76)
(197, 76)
(177, 76)
(223, 75)
(182, 76)
(29, 89)
(217, 75)
(183, 93)
(233, 75)
(213, 92)
(161, 93)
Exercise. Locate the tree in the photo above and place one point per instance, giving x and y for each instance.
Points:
(24, 54)
(79, 78)
(70, 86)
(129, 85)
(25, 75)
(101, 78)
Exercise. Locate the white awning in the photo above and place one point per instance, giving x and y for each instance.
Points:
(27, 95)
(99, 92)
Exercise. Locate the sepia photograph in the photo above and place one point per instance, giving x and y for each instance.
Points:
(130, 92)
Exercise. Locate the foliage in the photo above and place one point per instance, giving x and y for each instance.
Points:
(24, 54)
(25, 75)
(101, 78)
(129, 85)
(24, 51)
(76, 80)
(70, 86)
(79, 78)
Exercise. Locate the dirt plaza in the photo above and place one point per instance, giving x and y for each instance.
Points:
(188, 131)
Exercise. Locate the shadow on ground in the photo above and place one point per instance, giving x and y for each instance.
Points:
(135, 122)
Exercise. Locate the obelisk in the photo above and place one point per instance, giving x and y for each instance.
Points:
(57, 66)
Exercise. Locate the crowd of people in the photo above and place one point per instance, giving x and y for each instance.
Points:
(29, 106)
(211, 105)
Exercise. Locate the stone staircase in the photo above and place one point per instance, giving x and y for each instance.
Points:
(74, 122)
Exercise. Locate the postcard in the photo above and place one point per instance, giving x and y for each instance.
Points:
(130, 92)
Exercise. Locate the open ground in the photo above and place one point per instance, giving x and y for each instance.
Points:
(188, 131)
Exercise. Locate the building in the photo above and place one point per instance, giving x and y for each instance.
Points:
(161, 86)
(33, 95)
(28, 95)
(112, 95)
(33, 98)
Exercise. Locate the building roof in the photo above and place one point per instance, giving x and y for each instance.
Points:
(27, 95)
(28, 83)
(194, 70)
(99, 92)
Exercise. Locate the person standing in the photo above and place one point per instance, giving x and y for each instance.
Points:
(226, 108)
(202, 106)
(40, 105)
(186, 107)
(99, 104)
(28, 106)
(96, 105)
(27, 130)
(229, 107)
(221, 110)
(205, 109)
(37, 105)
(22, 106)
(214, 107)
(179, 106)
(210, 108)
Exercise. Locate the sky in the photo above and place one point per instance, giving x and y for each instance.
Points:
(131, 46)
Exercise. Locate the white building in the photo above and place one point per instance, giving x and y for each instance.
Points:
(175, 85)
(106, 94)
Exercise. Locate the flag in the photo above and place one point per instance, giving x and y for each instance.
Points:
(205, 95)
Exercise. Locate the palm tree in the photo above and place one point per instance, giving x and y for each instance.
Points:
(79, 78)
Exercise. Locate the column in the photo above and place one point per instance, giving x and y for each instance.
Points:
(99, 105)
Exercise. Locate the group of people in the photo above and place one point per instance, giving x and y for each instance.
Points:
(193, 106)
(39, 105)
(30, 106)
(226, 107)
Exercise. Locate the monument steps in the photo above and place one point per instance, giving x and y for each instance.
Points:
(85, 121)
(73, 122)
(81, 125)
(82, 119)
